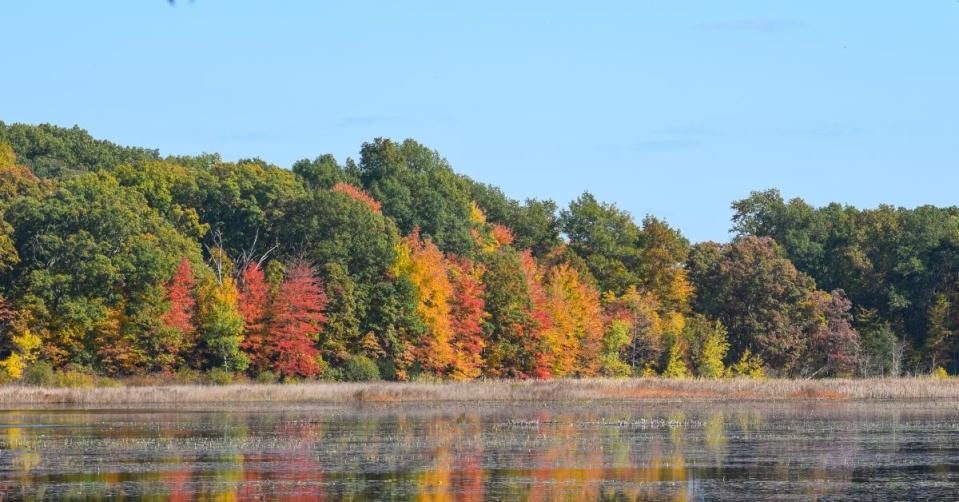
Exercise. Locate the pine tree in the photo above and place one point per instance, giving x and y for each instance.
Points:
(341, 332)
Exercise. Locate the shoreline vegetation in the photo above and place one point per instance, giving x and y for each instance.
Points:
(122, 267)
(636, 389)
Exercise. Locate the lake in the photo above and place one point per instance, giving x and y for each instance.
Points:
(460, 451)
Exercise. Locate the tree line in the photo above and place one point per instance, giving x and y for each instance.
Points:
(121, 262)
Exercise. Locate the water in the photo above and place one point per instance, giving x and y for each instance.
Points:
(585, 451)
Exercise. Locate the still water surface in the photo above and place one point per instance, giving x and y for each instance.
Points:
(442, 451)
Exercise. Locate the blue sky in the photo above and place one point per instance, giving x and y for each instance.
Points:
(673, 108)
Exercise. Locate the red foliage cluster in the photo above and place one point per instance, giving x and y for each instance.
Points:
(467, 313)
(253, 304)
(297, 321)
(180, 296)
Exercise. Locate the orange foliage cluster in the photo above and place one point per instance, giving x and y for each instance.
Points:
(358, 195)
(561, 336)
(449, 294)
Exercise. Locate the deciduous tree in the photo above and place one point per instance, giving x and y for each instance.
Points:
(297, 323)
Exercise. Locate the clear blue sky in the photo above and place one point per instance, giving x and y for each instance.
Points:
(673, 108)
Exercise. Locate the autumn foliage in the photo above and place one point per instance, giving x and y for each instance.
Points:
(254, 306)
(358, 195)
(296, 322)
(180, 295)
(424, 264)
(394, 266)
(467, 316)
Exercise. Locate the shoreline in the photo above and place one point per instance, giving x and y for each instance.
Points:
(637, 389)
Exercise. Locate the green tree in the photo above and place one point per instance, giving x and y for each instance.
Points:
(892, 261)
(509, 327)
(418, 189)
(535, 223)
(881, 350)
(88, 248)
(324, 172)
(50, 151)
(341, 335)
(607, 238)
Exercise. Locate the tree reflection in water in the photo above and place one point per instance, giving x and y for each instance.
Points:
(575, 452)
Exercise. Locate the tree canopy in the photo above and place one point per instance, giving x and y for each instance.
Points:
(123, 262)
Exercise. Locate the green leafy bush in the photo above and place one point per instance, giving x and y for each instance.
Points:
(38, 374)
(220, 376)
(360, 369)
(266, 377)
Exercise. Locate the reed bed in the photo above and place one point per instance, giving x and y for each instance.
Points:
(639, 389)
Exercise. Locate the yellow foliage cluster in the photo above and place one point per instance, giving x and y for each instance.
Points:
(748, 366)
(425, 266)
(25, 345)
(575, 334)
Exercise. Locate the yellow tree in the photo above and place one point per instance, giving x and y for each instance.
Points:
(425, 266)
(220, 322)
(574, 338)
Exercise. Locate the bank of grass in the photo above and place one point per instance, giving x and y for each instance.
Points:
(638, 389)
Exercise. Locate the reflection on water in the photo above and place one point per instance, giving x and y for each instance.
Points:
(586, 451)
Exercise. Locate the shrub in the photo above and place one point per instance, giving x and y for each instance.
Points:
(424, 377)
(106, 382)
(220, 376)
(940, 373)
(187, 376)
(331, 374)
(360, 369)
(39, 374)
(266, 377)
(388, 370)
(74, 378)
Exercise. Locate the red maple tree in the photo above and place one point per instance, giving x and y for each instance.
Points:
(467, 313)
(180, 295)
(254, 305)
(540, 321)
(297, 322)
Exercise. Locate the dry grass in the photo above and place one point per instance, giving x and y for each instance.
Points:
(640, 389)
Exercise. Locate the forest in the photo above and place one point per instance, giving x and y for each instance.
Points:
(118, 262)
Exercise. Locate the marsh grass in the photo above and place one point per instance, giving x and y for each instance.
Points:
(640, 389)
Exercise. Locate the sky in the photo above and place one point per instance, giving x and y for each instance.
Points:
(673, 108)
